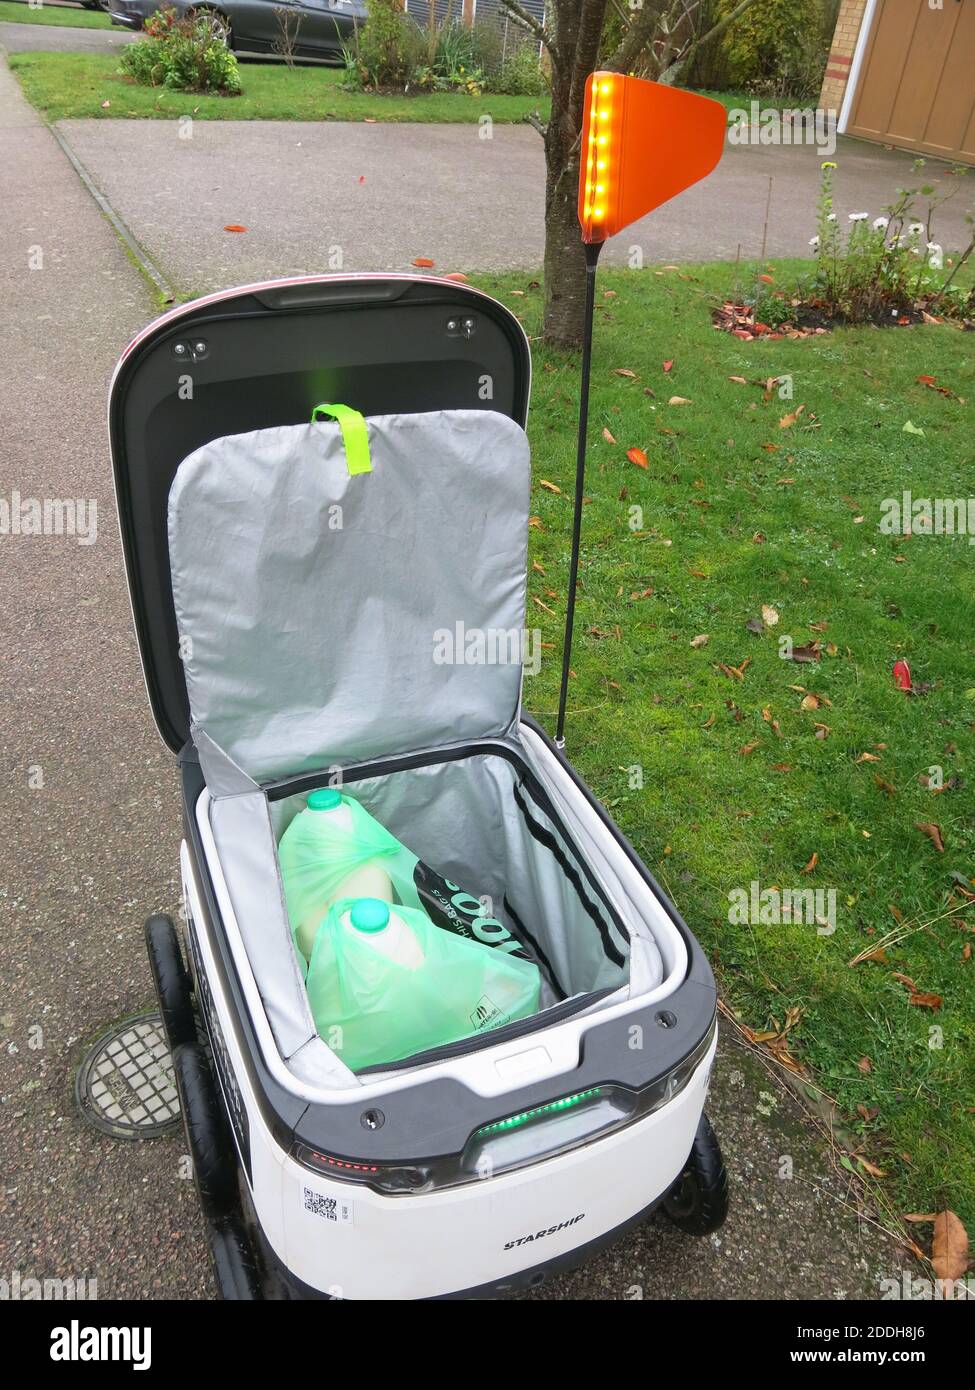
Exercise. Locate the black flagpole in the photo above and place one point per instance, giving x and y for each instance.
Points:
(592, 249)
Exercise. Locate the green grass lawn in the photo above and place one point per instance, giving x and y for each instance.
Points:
(75, 17)
(738, 513)
(63, 85)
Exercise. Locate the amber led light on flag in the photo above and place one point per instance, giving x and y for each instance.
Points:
(642, 143)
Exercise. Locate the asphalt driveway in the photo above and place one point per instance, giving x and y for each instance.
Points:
(384, 194)
(55, 38)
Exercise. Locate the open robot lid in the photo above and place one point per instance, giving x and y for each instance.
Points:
(265, 355)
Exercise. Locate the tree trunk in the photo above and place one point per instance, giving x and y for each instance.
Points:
(565, 263)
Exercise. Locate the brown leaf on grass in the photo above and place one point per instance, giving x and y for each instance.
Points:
(789, 420)
(949, 1246)
(638, 457)
(886, 787)
(807, 653)
(698, 574)
(741, 380)
(781, 767)
(809, 702)
(865, 1065)
(867, 758)
(923, 1000)
(812, 864)
(710, 722)
(917, 1216)
(769, 616)
(933, 833)
(879, 956)
(549, 487)
(747, 748)
(678, 400)
(700, 641)
(535, 522)
(624, 371)
(609, 438)
(544, 606)
(539, 569)
(869, 1167)
(822, 730)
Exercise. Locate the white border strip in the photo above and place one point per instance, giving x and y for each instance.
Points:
(863, 38)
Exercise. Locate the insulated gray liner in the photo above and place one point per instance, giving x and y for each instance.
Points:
(311, 605)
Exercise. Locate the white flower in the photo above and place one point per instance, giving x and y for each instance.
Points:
(859, 216)
(831, 217)
(916, 228)
(814, 241)
(880, 224)
(936, 256)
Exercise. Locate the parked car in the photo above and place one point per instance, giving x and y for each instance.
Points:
(318, 28)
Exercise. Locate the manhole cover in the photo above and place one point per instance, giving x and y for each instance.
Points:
(125, 1085)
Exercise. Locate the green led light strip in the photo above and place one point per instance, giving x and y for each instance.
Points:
(553, 1107)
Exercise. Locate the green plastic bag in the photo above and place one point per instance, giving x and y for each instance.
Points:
(318, 851)
(373, 1009)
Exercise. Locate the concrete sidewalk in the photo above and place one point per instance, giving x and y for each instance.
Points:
(89, 832)
(384, 194)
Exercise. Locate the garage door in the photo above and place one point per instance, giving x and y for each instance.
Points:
(917, 83)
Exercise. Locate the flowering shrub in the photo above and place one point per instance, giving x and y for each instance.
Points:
(884, 267)
(187, 55)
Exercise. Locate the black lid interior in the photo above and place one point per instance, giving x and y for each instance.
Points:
(266, 356)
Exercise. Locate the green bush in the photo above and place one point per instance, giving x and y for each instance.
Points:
(778, 48)
(392, 53)
(186, 55)
(387, 51)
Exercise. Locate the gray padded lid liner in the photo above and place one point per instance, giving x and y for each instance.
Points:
(308, 634)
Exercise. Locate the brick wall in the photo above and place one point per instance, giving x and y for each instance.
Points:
(841, 53)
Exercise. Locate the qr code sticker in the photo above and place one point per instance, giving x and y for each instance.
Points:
(336, 1209)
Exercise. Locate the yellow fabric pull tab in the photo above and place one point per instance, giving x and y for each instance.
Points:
(355, 435)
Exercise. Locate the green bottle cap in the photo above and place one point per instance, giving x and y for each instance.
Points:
(325, 799)
(369, 914)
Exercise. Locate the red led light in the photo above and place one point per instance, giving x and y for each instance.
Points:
(342, 1163)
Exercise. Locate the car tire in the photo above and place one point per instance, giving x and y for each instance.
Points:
(221, 22)
(697, 1204)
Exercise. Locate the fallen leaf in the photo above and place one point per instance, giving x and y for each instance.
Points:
(624, 371)
(755, 625)
(769, 615)
(933, 832)
(902, 675)
(911, 428)
(710, 723)
(741, 380)
(748, 748)
(638, 457)
(807, 653)
(701, 641)
(668, 365)
(235, 227)
(789, 420)
(812, 864)
(867, 758)
(549, 487)
(921, 1000)
(457, 275)
(609, 438)
(920, 1216)
(678, 400)
(865, 1065)
(424, 262)
(869, 1167)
